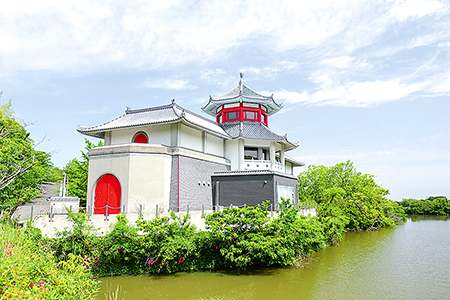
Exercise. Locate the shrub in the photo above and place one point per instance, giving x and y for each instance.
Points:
(30, 271)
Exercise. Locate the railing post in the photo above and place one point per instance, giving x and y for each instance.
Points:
(106, 213)
(203, 211)
(187, 209)
(51, 213)
(157, 212)
(89, 212)
(31, 212)
(140, 211)
(123, 209)
(70, 208)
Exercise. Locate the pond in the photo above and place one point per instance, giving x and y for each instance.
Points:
(411, 261)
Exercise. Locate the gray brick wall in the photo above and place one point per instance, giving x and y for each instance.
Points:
(194, 184)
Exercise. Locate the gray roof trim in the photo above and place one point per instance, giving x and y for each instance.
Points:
(256, 131)
(63, 199)
(250, 173)
(295, 162)
(170, 113)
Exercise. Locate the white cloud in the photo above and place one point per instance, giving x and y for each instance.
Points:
(79, 35)
(212, 75)
(169, 84)
(267, 72)
(356, 94)
(405, 9)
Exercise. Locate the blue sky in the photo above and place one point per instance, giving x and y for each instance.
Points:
(366, 81)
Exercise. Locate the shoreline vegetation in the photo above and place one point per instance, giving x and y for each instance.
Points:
(235, 238)
(438, 205)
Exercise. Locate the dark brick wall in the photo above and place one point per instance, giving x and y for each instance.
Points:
(250, 190)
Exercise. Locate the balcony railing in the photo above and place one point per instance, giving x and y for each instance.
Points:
(253, 164)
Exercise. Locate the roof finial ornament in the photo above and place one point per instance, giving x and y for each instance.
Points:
(173, 101)
(241, 82)
(183, 113)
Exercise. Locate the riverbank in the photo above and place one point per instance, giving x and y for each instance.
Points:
(410, 261)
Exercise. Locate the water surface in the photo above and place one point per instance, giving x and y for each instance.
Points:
(411, 261)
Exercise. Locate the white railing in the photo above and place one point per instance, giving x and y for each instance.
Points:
(260, 164)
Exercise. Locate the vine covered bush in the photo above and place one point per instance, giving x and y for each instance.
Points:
(29, 271)
(234, 238)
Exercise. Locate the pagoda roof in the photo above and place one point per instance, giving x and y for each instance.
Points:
(256, 131)
(173, 113)
(241, 93)
(170, 113)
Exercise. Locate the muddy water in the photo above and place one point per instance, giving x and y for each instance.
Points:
(411, 261)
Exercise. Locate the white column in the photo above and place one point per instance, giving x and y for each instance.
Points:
(205, 141)
(260, 153)
(241, 154)
(282, 159)
(272, 155)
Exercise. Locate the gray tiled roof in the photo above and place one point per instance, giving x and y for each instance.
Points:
(241, 90)
(154, 115)
(255, 131)
(241, 93)
(174, 113)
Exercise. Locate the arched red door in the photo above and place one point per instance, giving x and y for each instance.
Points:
(107, 192)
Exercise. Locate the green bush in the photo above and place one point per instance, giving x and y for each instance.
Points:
(247, 236)
(29, 270)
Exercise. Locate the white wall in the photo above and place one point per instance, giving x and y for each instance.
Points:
(232, 153)
(214, 145)
(289, 168)
(144, 178)
(157, 134)
(191, 138)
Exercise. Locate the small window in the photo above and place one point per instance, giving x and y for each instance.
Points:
(234, 115)
(140, 138)
(250, 115)
(250, 153)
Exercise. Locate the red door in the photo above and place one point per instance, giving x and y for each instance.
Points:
(107, 192)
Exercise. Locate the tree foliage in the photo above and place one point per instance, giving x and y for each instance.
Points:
(348, 198)
(77, 172)
(22, 167)
(429, 206)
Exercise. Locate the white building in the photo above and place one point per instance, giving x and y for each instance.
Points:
(174, 159)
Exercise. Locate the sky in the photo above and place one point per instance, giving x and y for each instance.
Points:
(366, 81)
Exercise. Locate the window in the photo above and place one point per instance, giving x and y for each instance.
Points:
(140, 138)
(287, 192)
(234, 115)
(250, 115)
(250, 153)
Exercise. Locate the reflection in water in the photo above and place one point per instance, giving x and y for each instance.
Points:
(411, 261)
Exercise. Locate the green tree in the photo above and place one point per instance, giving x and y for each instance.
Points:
(355, 196)
(77, 171)
(22, 168)
(429, 206)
